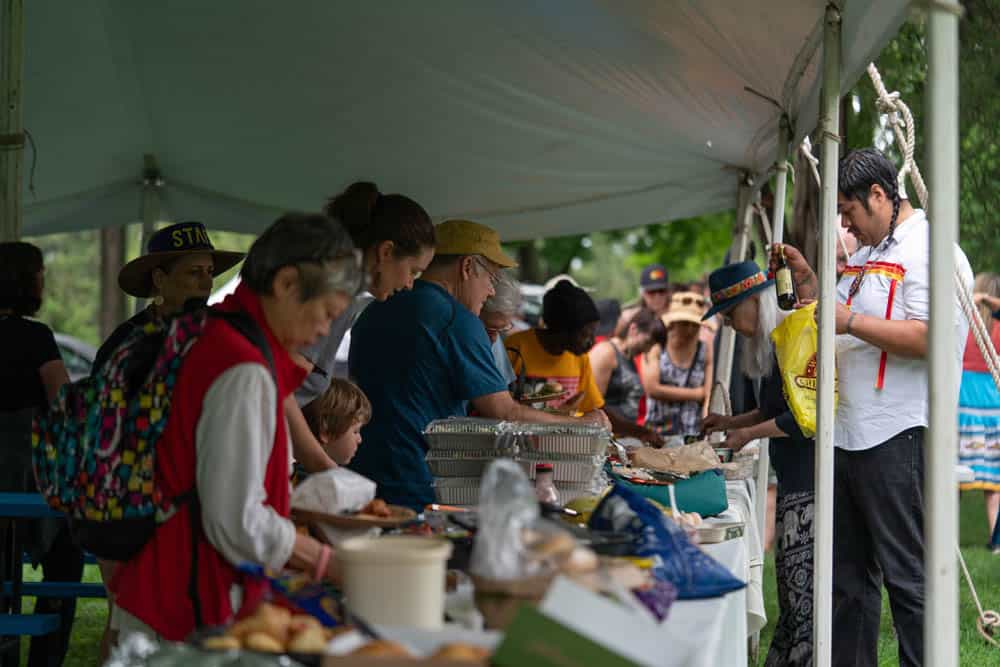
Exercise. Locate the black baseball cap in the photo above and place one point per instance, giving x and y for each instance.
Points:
(654, 276)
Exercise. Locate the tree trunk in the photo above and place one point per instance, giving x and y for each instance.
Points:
(112, 297)
(529, 263)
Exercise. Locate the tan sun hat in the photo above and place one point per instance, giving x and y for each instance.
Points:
(464, 237)
(685, 307)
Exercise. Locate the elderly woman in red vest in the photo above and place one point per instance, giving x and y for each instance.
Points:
(227, 439)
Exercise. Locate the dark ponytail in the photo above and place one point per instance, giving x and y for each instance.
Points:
(859, 170)
(372, 218)
(20, 264)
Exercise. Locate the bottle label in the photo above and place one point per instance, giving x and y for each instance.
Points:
(783, 281)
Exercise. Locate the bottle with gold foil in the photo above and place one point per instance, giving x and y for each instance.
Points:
(783, 283)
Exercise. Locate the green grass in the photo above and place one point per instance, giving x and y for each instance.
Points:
(984, 568)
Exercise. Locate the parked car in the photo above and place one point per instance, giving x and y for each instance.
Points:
(77, 355)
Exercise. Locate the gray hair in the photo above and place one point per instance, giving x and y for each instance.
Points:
(318, 246)
(758, 353)
(507, 297)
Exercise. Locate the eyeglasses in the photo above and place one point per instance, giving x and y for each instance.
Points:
(659, 290)
(344, 273)
(494, 276)
(500, 330)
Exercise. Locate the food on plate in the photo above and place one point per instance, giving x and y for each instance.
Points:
(268, 619)
(309, 640)
(581, 559)
(377, 507)
(261, 641)
(555, 545)
(273, 629)
(221, 643)
(461, 653)
(383, 648)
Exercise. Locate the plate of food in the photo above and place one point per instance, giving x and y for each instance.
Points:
(543, 392)
(377, 513)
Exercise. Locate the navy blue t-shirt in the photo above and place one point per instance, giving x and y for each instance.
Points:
(419, 356)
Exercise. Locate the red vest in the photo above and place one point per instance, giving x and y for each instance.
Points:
(154, 586)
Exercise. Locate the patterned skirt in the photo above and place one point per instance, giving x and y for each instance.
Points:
(979, 430)
(792, 645)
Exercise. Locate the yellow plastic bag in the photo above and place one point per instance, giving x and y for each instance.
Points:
(795, 345)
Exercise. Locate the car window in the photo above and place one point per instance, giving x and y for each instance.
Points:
(76, 365)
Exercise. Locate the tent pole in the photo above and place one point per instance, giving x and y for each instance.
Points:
(150, 208)
(780, 181)
(823, 517)
(737, 251)
(940, 501)
(11, 118)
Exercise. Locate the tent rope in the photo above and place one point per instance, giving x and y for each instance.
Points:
(903, 128)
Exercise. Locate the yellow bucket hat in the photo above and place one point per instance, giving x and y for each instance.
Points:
(464, 237)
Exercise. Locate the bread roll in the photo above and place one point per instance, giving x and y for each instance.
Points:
(221, 643)
(461, 652)
(383, 648)
(261, 641)
(310, 640)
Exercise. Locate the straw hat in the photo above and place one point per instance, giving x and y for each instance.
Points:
(185, 238)
(685, 307)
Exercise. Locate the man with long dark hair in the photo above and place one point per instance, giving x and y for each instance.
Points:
(883, 300)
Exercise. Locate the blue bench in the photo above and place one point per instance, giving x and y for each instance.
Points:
(15, 624)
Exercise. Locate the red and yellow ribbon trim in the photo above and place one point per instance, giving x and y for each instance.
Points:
(738, 288)
(895, 273)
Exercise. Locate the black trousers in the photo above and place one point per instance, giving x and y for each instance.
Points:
(878, 535)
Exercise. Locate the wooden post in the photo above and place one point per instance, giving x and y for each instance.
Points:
(11, 120)
(112, 297)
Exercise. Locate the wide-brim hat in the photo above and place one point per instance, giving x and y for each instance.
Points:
(684, 307)
(464, 237)
(185, 238)
(732, 284)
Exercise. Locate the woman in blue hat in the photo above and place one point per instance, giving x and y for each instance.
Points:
(745, 299)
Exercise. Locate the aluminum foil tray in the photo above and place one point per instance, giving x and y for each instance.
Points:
(461, 467)
(468, 433)
(457, 490)
(578, 472)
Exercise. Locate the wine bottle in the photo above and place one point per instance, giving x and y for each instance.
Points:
(783, 283)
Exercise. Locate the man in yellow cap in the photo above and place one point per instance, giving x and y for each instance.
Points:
(424, 355)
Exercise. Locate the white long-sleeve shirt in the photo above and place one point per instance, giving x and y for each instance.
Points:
(233, 442)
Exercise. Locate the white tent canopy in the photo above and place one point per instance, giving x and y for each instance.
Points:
(539, 118)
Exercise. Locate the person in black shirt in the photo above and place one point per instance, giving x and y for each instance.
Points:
(31, 373)
(745, 299)
(178, 267)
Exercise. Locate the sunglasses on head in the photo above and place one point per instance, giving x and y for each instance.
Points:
(688, 300)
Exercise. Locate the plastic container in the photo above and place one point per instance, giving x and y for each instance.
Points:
(545, 489)
(397, 580)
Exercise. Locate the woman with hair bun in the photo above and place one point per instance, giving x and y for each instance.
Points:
(396, 239)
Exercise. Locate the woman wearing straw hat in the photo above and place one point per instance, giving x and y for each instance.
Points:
(179, 265)
(677, 378)
(744, 298)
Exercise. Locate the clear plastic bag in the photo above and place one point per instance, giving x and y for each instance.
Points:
(508, 518)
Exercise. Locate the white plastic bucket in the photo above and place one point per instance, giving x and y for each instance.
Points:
(397, 580)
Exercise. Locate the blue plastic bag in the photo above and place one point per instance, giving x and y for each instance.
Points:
(695, 574)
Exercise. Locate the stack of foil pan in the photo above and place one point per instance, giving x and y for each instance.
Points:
(460, 449)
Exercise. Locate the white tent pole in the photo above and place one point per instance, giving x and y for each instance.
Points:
(737, 251)
(823, 517)
(780, 181)
(940, 500)
(11, 117)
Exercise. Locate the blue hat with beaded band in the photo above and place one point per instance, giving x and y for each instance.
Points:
(734, 283)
